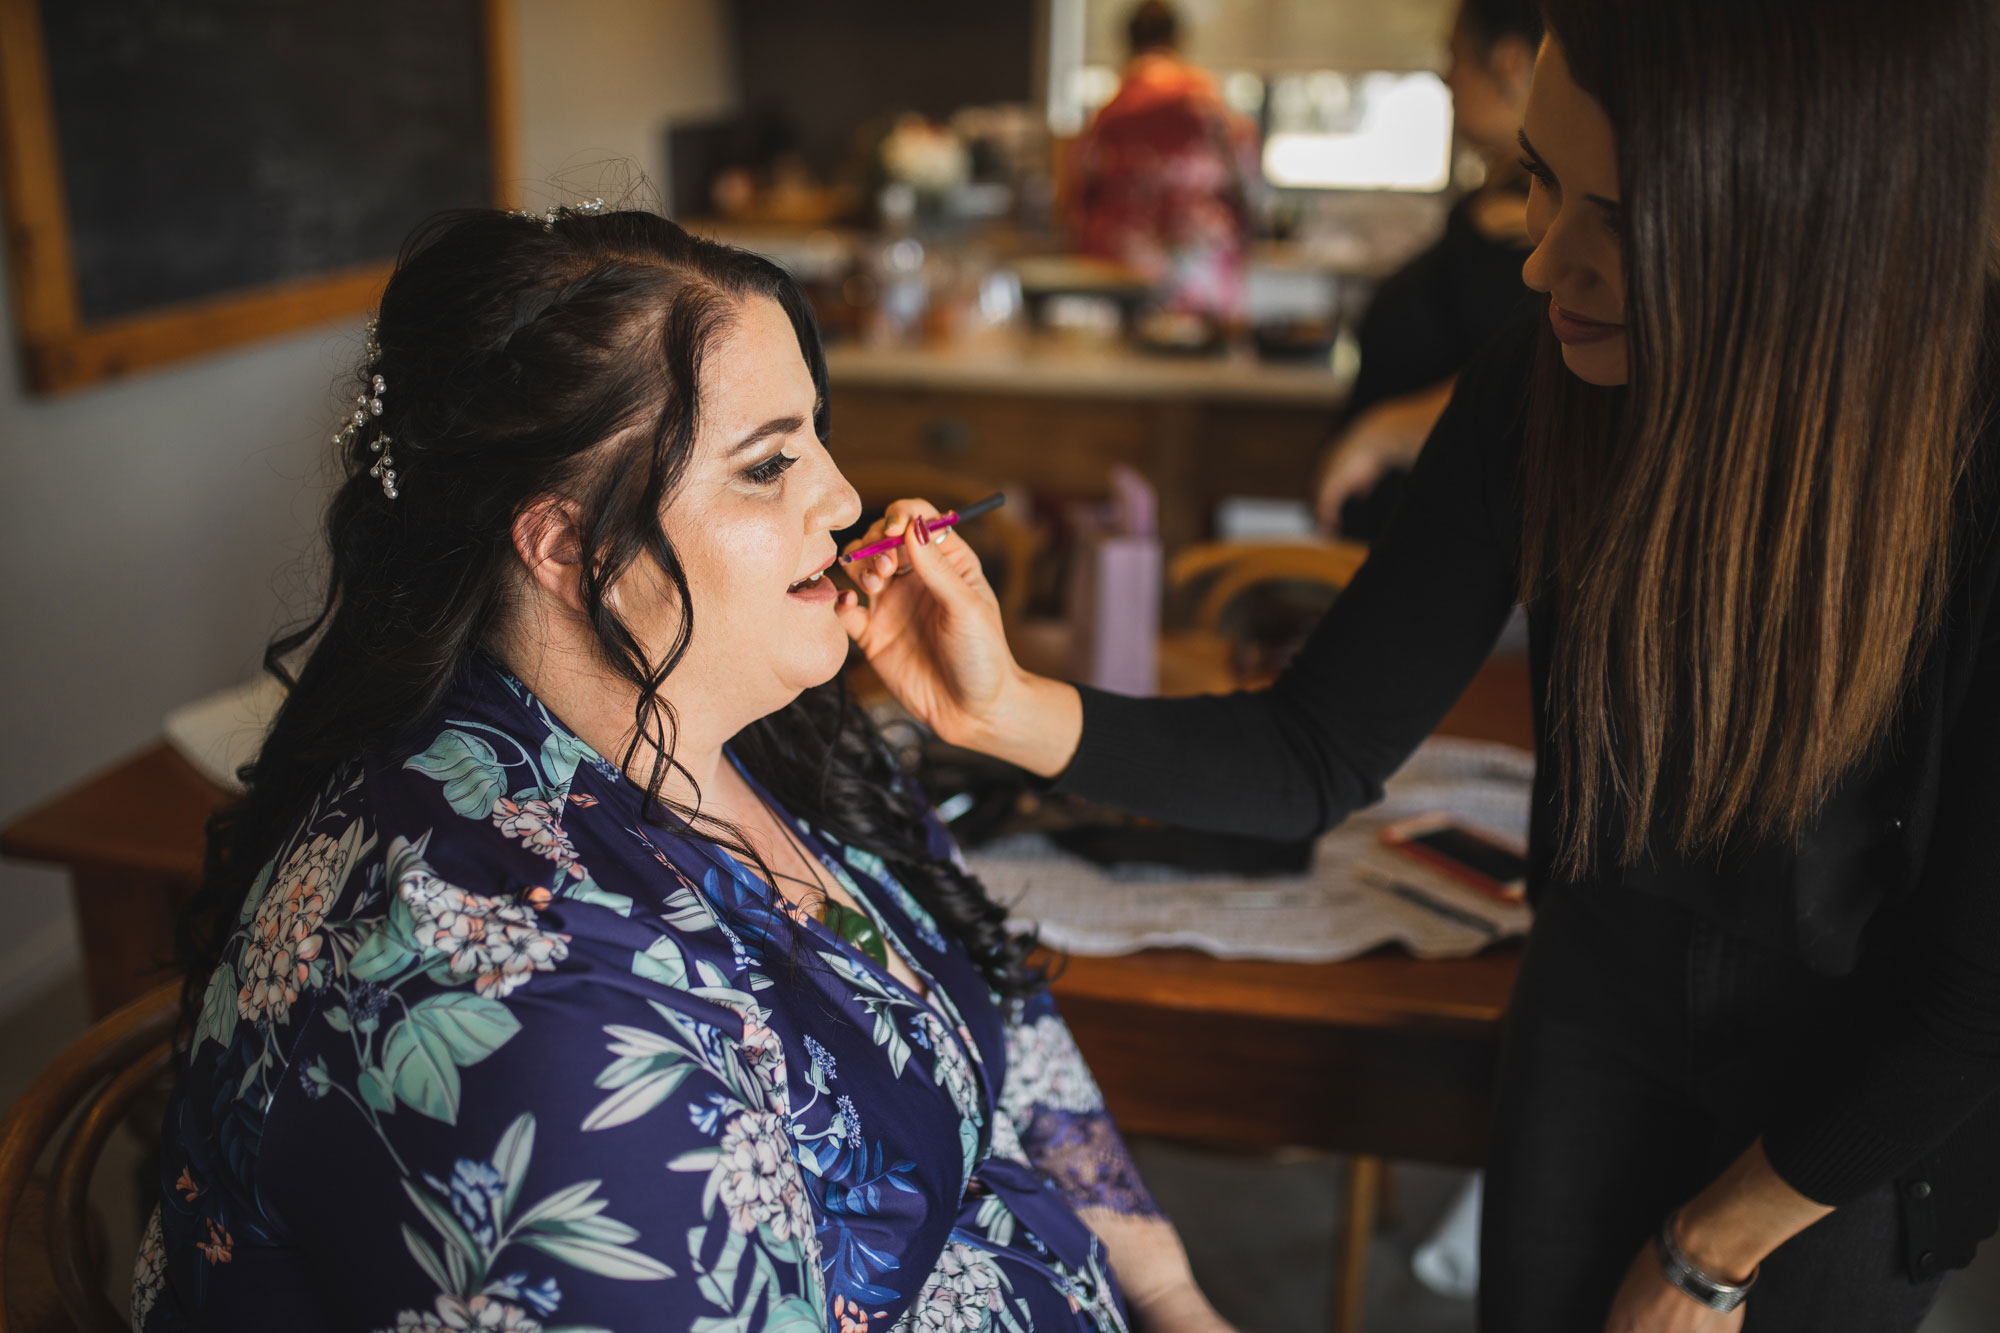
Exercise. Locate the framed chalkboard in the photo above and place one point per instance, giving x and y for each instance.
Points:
(182, 175)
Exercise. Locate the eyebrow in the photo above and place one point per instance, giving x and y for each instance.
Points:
(1611, 206)
(775, 426)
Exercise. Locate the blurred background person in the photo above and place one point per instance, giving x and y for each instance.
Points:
(1159, 179)
(1427, 320)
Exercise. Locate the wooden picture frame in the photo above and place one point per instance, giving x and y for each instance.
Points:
(60, 349)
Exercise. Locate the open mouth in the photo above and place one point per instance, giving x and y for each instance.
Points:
(815, 582)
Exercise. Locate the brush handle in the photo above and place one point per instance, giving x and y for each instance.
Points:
(949, 519)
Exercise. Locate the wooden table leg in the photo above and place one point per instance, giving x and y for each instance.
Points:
(1364, 1187)
(1232, 1081)
(126, 920)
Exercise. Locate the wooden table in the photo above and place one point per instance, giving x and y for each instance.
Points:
(1385, 1055)
(132, 840)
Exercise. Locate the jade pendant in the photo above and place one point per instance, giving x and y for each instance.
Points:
(858, 929)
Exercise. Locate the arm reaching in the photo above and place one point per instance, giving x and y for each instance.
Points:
(1377, 675)
(1388, 435)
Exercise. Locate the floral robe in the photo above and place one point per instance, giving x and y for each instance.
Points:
(490, 1052)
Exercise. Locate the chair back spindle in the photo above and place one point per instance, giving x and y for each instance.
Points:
(88, 1089)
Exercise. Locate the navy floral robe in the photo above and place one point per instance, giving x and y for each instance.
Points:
(488, 1052)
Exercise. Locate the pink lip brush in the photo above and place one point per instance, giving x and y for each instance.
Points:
(951, 518)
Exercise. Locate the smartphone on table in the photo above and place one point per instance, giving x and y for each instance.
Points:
(1472, 857)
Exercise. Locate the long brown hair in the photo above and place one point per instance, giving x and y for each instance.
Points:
(1746, 548)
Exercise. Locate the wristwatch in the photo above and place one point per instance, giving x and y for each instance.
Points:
(1699, 1286)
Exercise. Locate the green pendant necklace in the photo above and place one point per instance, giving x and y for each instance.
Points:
(857, 928)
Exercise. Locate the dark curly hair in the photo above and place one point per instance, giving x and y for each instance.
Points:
(527, 358)
(1152, 26)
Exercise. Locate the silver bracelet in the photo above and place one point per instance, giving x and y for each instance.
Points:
(1697, 1285)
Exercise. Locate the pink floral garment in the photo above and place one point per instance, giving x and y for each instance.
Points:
(490, 1052)
(1158, 181)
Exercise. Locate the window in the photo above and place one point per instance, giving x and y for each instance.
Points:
(1374, 131)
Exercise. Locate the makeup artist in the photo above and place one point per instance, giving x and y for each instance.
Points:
(1740, 475)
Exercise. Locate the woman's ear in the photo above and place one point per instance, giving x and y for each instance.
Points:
(547, 540)
(1511, 61)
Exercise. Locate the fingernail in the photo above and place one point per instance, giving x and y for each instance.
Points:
(923, 535)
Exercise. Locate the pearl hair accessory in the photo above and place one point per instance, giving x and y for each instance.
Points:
(367, 406)
(589, 208)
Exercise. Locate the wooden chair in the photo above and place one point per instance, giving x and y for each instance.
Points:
(1244, 607)
(1214, 574)
(89, 1089)
(999, 532)
(1206, 580)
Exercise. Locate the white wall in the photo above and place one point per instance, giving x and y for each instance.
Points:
(600, 79)
(154, 531)
(1272, 35)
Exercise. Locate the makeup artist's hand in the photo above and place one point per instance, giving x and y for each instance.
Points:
(936, 640)
(1727, 1230)
(1647, 1303)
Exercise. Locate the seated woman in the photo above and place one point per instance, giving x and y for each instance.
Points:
(579, 957)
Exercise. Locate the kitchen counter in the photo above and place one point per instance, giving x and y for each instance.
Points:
(1052, 417)
(1053, 367)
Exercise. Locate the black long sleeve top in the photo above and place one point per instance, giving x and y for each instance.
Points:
(1431, 317)
(1423, 325)
(1896, 888)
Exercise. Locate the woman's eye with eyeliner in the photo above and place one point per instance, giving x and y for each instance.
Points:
(768, 471)
(1539, 172)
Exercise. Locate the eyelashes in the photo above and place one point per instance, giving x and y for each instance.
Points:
(772, 468)
(1614, 218)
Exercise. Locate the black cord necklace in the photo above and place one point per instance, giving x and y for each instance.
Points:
(857, 928)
